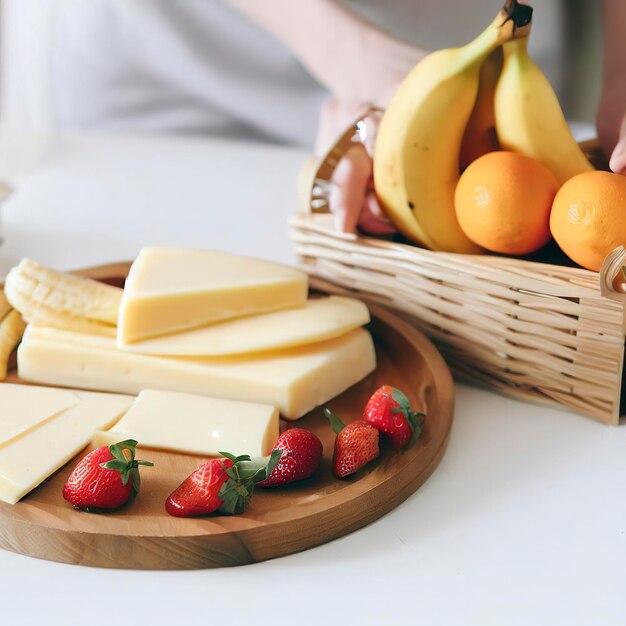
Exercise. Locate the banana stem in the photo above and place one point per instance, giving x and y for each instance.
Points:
(517, 48)
(512, 22)
(520, 14)
(497, 33)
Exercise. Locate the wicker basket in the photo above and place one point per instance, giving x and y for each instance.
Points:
(536, 331)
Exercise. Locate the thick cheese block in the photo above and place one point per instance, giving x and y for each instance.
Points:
(295, 380)
(170, 290)
(29, 459)
(318, 320)
(192, 424)
(24, 407)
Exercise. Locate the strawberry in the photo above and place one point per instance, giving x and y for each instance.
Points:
(389, 410)
(105, 479)
(300, 458)
(224, 485)
(355, 446)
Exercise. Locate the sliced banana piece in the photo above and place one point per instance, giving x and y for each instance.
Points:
(49, 298)
(5, 307)
(11, 330)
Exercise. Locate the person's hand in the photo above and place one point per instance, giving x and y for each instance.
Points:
(611, 117)
(618, 157)
(381, 64)
(611, 124)
(352, 198)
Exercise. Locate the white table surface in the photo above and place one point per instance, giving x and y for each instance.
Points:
(524, 521)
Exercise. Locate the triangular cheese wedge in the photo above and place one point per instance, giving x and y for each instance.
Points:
(170, 290)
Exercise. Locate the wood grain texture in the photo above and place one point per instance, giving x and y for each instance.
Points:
(280, 521)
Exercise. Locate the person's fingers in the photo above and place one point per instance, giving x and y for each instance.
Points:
(372, 219)
(336, 116)
(349, 184)
(371, 122)
(618, 158)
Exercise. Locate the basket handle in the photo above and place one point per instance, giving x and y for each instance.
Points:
(316, 173)
(613, 276)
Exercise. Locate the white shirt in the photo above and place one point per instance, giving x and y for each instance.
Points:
(198, 66)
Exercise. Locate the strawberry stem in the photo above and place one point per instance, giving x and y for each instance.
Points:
(412, 417)
(123, 461)
(237, 491)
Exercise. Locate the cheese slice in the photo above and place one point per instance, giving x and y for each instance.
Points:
(192, 424)
(170, 290)
(295, 380)
(29, 459)
(318, 320)
(23, 407)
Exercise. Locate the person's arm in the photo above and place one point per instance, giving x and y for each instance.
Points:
(353, 59)
(361, 66)
(611, 119)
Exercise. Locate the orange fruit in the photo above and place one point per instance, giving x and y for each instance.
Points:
(503, 202)
(589, 217)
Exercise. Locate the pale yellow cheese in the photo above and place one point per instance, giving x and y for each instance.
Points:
(295, 380)
(170, 290)
(192, 424)
(23, 407)
(318, 320)
(29, 459)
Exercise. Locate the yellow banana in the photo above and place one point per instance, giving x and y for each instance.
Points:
(49, 298)
(529, 118)
(480, 134)
(416, 158)
(11, 329)
(5, 307)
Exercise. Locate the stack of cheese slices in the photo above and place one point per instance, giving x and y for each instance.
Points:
(222, 342)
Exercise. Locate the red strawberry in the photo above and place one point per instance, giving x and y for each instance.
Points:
(389, 410)
(105, 479)
(301, 456)
(355, 446)
(220, 484)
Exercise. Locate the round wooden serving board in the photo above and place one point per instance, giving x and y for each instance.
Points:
(280, 520)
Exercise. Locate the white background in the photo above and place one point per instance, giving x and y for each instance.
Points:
(524, 521)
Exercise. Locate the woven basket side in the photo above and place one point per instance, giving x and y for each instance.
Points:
(542, 333)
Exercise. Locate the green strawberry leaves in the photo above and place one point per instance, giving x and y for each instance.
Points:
(237, 491)
(402, 400)
(416, 425)
(414, 418)
(335, 421)
(124, 462)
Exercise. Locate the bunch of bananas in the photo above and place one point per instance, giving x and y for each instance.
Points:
(456, 105)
